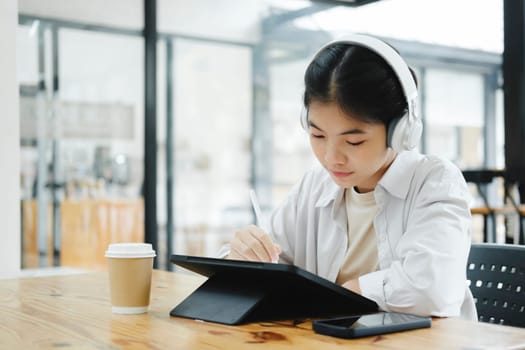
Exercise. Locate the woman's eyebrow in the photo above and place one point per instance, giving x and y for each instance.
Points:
(348, 132)
(353, 132)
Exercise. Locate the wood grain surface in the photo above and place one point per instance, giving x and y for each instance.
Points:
(87, 227)
(73, 312)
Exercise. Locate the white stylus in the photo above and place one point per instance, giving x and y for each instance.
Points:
(261, 219)
(257, 208)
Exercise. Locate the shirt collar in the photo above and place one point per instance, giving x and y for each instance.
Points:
(331, 192)
(398, 177)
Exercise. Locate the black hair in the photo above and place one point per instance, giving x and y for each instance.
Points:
(358, 80)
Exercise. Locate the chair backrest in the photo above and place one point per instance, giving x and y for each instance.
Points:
(497, 280)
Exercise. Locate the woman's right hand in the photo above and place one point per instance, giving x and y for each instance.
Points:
(252, 243)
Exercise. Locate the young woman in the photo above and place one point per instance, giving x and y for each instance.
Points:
(376, 217)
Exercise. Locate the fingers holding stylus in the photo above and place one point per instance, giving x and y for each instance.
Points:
(252, 243)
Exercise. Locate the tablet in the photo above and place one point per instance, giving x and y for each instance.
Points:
(243, 291)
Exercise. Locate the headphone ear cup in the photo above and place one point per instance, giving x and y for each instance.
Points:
(304, 118)
(404, 135)
(414, 135)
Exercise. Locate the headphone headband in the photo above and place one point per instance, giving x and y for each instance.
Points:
(392, 58)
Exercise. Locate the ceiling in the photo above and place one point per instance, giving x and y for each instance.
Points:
(351, 2)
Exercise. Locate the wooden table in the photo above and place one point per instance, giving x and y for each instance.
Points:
(506, 210)
(73, 312)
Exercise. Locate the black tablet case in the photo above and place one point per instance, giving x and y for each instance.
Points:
(240, 292)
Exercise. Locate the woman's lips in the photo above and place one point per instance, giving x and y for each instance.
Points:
(340, 174)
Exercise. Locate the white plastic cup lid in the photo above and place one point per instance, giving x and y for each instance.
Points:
(130, 250)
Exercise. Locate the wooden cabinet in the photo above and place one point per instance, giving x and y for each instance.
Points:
(87, 227)
(30, 254)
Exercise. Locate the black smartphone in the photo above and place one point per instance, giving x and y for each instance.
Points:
(370, 324)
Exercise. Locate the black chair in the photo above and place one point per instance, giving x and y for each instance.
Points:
(497, 280)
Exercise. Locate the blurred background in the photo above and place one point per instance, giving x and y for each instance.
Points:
(227, 88)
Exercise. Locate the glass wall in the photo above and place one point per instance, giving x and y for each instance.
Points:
(102, 152)
(230, 84)
(454, 116)
(102, 106)
(213, 125)
(82, 144)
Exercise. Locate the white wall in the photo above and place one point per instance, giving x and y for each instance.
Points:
(9, 144)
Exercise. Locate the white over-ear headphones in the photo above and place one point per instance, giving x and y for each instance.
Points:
(404, 132)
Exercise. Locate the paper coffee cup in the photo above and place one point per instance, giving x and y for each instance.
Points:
(130, 266)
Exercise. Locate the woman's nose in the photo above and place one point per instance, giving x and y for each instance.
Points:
(333, 155)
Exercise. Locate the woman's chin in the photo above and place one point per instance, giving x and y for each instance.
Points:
(342, 182)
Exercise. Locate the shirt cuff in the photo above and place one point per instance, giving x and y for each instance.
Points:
(372, 286)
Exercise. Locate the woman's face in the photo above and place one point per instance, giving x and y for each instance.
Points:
(354, 152)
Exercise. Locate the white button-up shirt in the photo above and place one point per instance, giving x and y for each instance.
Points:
(422, 227)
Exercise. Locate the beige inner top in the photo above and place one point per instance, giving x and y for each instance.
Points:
(361, 255)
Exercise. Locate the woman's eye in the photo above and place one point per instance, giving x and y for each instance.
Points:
(317, 136)
(354, 143)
